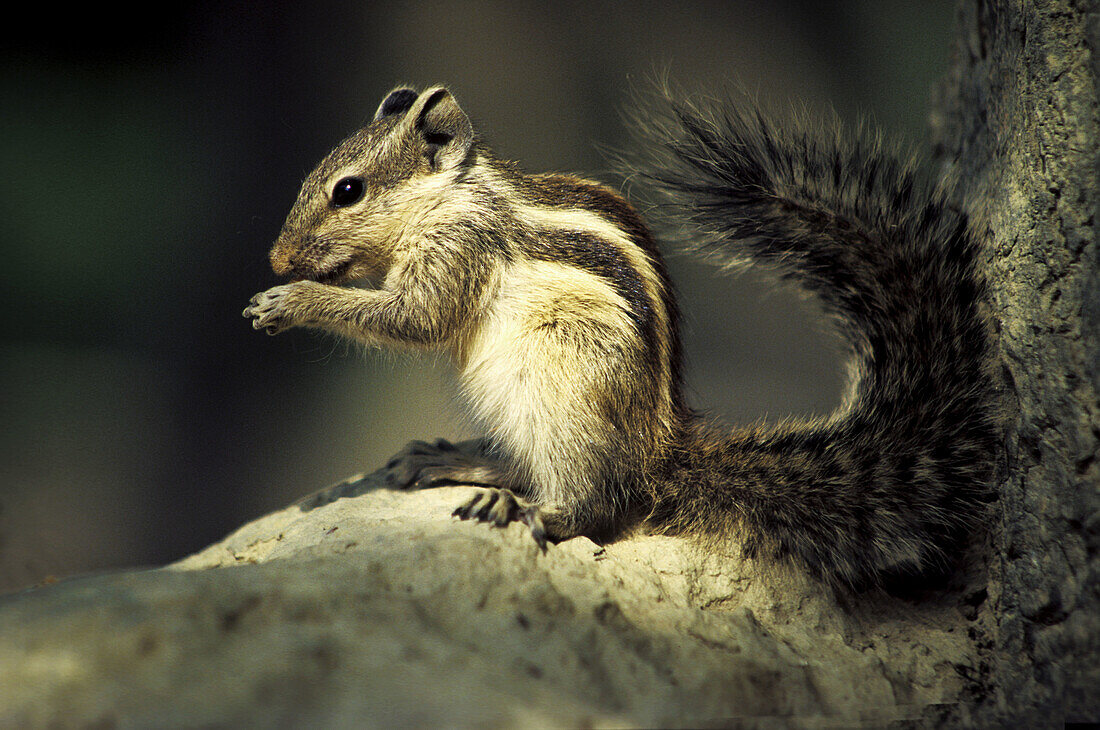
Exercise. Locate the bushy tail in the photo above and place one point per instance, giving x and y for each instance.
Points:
(891, 480)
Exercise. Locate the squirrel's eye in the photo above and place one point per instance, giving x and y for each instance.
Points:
(347, 191)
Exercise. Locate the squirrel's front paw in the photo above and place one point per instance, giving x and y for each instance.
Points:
(271, 310)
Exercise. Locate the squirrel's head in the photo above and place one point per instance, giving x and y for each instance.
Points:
(378, 186)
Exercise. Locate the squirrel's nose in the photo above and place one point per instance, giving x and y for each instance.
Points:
(282, 258)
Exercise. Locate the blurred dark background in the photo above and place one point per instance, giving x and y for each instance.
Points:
(147, 165)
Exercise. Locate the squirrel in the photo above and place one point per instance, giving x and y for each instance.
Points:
(551, 297)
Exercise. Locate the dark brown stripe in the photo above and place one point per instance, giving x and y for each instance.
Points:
(590, 253)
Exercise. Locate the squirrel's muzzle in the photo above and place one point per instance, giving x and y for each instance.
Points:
(286, 254)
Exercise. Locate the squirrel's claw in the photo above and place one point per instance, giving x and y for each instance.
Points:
(501, 507)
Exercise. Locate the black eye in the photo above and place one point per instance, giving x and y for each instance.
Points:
(347, 191)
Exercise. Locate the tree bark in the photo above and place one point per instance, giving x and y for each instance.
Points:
(1018, 113)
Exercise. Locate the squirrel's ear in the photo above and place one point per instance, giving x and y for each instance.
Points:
(443, 128)
(398, 101)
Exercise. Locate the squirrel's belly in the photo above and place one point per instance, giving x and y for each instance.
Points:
(537, 367)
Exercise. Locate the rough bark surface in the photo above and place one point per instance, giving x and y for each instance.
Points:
(1019, 111)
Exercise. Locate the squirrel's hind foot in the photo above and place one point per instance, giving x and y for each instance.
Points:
(501, 507)
(423, 465)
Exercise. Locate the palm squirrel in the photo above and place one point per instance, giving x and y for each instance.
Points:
(549, 294)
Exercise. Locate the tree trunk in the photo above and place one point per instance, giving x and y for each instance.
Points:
(1019, 112)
